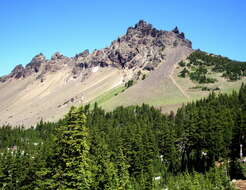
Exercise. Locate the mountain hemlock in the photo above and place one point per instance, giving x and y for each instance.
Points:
(70, 160)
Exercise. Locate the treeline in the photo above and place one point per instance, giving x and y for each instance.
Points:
(13, 137)
(136, 147)
(199, 62)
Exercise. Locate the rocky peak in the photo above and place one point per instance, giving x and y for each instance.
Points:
(57, 55)
(176, 30)
(37, 59)
(85, 53)
(178, 33)
(17, 72)
(142, 25)
(143, 46)
(34, 65)
(182, 35)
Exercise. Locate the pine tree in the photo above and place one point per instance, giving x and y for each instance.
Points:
(71, 156)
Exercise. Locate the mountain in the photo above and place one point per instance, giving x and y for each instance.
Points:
(140, 66)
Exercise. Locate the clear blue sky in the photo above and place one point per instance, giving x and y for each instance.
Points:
(28, 27)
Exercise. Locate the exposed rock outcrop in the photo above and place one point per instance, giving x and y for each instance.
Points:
(57, 56)
(17, 72)
(34, 65)
(175, 30)
(179, 34)
(85, 53)
(142, 47)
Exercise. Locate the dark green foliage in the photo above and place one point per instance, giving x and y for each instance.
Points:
(22, 153)
(233, 70)
(214, 179)
(205, 88)
(128, 147)
(129, 84)
(182, 64)
(200, 75)
(237, 169)
(17, 137)
(144, 76)
(184, 72)
(70, 160)
(210, 126)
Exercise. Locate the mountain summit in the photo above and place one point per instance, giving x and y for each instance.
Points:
(46, 88)
(141, 47)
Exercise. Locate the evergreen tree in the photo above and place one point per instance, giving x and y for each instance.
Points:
(71, 163)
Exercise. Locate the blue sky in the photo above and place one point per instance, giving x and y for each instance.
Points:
(28, 27)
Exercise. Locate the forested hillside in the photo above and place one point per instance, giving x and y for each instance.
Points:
(199, 64)
(134, 147)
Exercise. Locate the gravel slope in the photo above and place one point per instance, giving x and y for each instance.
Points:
(27, 101)
(157, 85)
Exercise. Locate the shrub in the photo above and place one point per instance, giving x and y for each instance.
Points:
(205, 88)
(215, 178)
(237, 170)
(184, 72)
(129, 84)
(144, 77)
(182, 64)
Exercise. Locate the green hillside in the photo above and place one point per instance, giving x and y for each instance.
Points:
(193, 78)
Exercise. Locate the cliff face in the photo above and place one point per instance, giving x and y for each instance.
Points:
(142, 47)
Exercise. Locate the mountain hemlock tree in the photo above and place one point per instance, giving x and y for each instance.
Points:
(110, 170)
(72, 163)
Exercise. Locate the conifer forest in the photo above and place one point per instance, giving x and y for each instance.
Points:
(134, 147)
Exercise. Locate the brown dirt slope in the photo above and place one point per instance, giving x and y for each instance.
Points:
(27, 101)
(158, 87)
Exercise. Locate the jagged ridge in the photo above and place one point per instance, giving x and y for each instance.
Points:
(141, 47)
